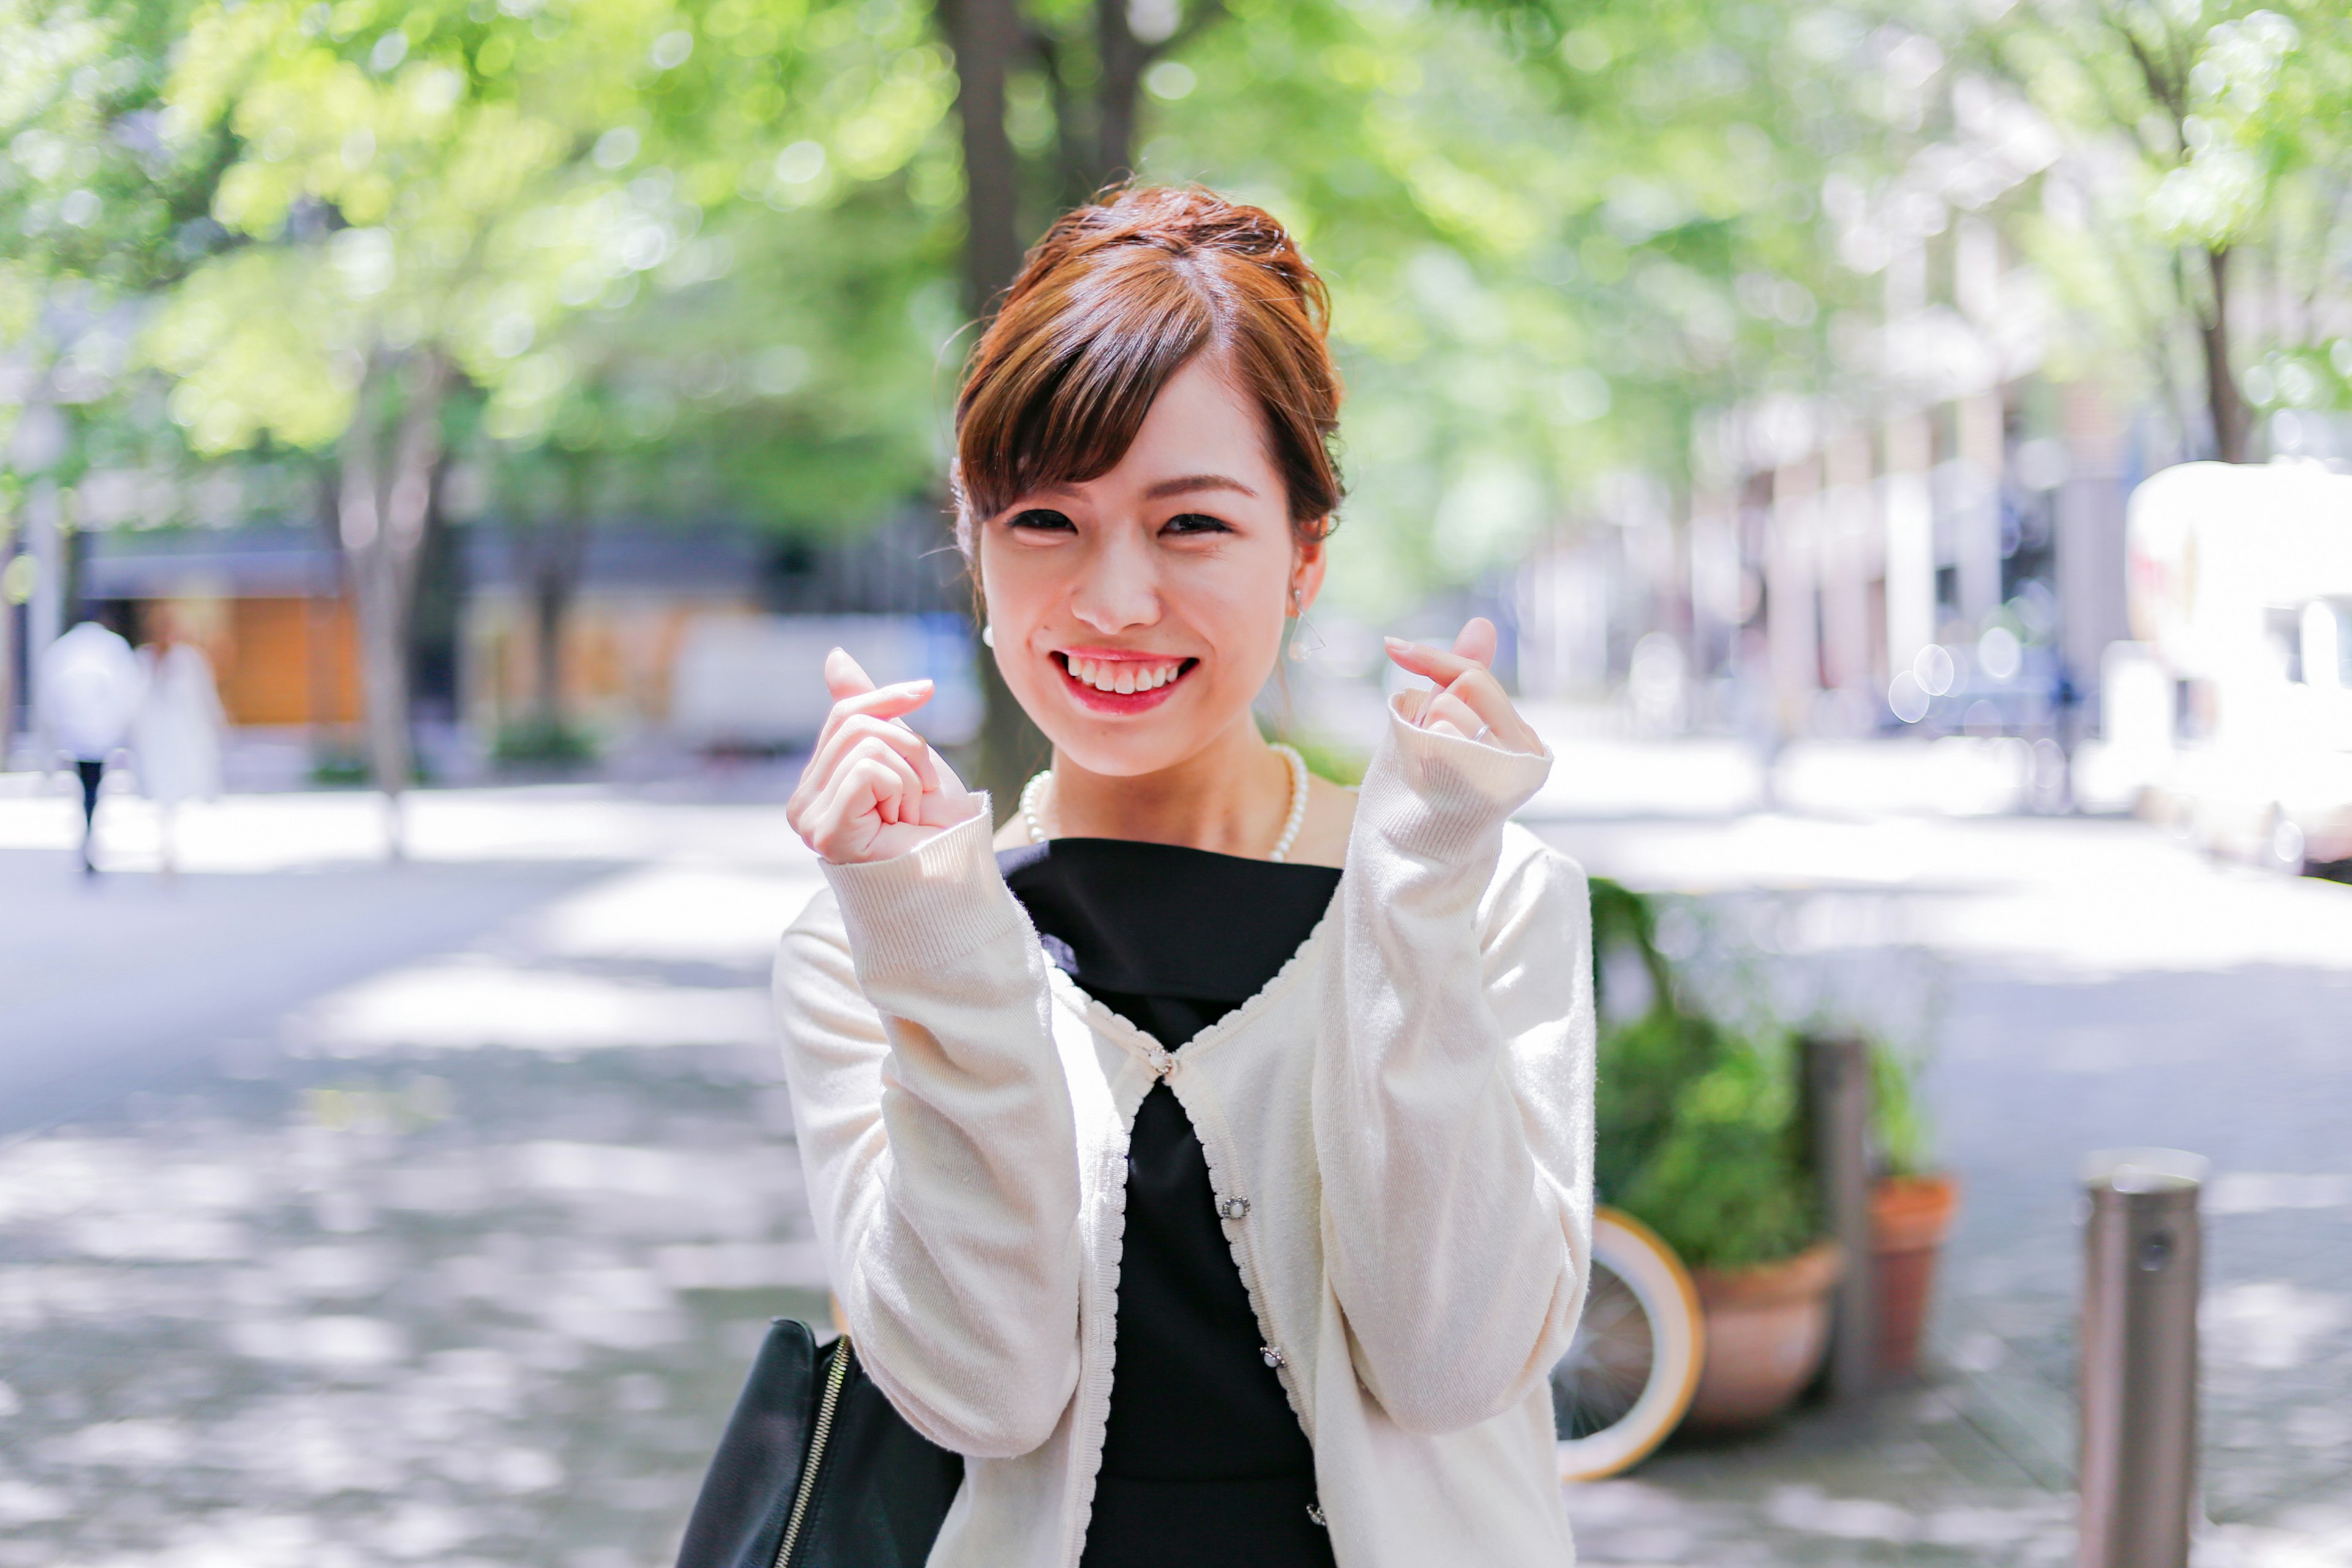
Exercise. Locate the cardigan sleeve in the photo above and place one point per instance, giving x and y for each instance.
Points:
(937, 1134)
(1452, 1105)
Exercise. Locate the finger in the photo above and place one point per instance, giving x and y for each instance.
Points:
(843, 678)
(1431, 664)
(818, 816)
(859, 729)
(946, 801)
(1449, 715)
(824, 763)
(876, 741)
(903, 803)
(840, 829)
(868, 786)
(1477, 642)
(883, 703)
(1490, 708)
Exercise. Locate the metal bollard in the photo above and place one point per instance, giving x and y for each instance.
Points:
(1837, 1086)
(2143, 1255)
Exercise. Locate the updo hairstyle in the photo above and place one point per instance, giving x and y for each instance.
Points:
(1116, 298)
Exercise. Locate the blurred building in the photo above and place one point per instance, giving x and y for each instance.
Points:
(636, 594)
(639, 600)
(267, 605)
(720, 616)
(1946, 553)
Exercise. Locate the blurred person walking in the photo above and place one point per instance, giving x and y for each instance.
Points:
(1207, 1157)
(89, 684)
(175, 735)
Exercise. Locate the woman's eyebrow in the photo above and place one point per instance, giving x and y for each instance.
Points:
(1189, 482)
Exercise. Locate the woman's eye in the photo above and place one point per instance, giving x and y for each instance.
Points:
(1044, 520)
(1194, 523)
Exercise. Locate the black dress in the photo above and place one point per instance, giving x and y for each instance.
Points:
(1204, 1465)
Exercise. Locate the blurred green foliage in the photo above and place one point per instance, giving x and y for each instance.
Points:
(541, 743)
(711, 246)
(1699, 1134)
(2220, 171)
(1899, 1122)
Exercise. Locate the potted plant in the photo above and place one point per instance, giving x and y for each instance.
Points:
(1912, 1206)
(1699, 1137)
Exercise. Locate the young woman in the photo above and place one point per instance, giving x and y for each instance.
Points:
(1209, 1159)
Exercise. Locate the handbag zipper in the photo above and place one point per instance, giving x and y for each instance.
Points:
(819, 1435)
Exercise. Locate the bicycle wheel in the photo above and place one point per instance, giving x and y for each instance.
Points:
(1630, 1373)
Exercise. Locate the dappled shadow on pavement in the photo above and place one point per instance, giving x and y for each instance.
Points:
(469, 1309)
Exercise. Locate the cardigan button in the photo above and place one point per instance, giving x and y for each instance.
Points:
(1272, 1355)
(1235, 1208)
(1315, 1514)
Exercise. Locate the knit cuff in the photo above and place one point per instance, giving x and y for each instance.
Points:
(1436, 795)
(929, 906)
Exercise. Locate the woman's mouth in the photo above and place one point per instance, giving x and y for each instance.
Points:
(1118, 682)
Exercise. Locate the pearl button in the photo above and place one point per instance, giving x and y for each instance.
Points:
(1235, 1208)
(1271, 1355)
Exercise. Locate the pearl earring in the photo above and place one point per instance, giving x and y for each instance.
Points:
(987, 636)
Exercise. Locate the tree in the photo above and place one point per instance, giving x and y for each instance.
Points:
(427, 201)
(94, 214)
(2213, 149)
(789, 380)
(1555, 234)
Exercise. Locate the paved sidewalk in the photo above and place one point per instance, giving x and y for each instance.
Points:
(354, 1213)
(447, 1240)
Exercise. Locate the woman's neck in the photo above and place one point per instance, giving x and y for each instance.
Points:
(1231, 797)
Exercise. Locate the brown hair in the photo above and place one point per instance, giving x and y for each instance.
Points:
(1118, 298)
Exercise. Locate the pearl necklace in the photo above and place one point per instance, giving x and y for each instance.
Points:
(1033, 803)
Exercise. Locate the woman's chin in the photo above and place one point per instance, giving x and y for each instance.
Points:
(1129, 745)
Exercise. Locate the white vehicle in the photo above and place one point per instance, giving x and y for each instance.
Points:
(2241, 588)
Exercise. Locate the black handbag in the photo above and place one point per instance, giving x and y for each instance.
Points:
(818, 1469)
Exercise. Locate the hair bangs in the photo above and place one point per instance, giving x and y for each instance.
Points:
(1115, 300)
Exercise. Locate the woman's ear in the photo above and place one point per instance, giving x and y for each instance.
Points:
(1307, 569)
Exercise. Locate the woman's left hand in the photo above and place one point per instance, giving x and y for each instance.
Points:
(1468, 700)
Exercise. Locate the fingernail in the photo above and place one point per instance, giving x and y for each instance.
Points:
(1396, 642)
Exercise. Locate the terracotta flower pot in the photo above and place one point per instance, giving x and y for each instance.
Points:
(1765, 1329)
(1909, 1217)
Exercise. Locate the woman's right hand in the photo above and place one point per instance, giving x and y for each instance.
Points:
(873, 788)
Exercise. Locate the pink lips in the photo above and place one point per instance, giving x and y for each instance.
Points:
(1095, 700)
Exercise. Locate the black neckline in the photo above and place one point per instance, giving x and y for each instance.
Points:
(1165, 919)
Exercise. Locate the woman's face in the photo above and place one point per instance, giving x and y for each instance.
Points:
(1137, 614)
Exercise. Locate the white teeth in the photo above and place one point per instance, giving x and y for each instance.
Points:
(1121, 676)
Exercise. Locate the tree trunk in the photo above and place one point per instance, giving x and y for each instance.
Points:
(382, 507)
(1123, 58)
(550, 554)
(987, 39)
(2232, 430)
(551, 597)
(986, 36)
(8, 643)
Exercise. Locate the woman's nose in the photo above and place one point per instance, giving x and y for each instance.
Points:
(1119, 591)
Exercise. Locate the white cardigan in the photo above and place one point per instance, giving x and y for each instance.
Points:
(1399, 1130)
